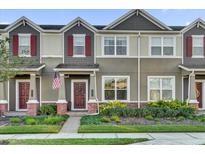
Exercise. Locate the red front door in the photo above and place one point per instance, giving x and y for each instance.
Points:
(23, 94)
(79, 95)
(199, 93)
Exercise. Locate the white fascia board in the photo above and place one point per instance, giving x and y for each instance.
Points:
(75, 69)
(191, 25)
(191, 69)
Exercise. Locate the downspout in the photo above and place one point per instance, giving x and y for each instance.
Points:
(138, 69)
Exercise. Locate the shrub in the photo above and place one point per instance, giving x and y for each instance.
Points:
(15, 120)
(105, 119)
(53, 120)
(115, 118)
(90, 119)
(49, 109)
(112, 108)
(30, 121)
(180, 118)
(149, 117)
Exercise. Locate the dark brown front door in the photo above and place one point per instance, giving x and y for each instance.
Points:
(23, 94)
(199, 93)
(79, 95)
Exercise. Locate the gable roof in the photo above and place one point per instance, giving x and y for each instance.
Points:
(21, 21)
(198, 22)
(76, 21)
(141, 12)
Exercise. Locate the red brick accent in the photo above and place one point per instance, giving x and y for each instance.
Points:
(92, 108)
(32, 109)
(62, 108)
(3, 108)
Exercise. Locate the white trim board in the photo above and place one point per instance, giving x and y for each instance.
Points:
(72, 93)
(17, 93)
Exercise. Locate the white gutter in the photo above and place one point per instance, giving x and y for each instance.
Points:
(74, 69)
(191, 69)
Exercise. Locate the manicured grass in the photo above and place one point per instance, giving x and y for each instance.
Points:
(140, 128)
(29, 129)
(111, 141)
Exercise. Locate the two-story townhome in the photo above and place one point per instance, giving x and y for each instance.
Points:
(135, 59)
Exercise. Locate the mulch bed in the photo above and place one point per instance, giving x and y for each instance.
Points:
(142, 121)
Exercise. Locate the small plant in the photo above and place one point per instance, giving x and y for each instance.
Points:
(49, 109)
(90, 120)
(115, 118)
(53, 120)
(180, 118)
(105, 119)
(15, 120)
(30, 121)
(149, 117)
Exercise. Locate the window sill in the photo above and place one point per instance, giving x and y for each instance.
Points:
(197, 57)
(79, 56)
(24, 56)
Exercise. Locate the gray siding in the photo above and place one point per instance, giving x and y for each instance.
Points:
(26, 29)
(189, 60)
(136, 23)
(115, 67)
(78, 30)
(160, 67)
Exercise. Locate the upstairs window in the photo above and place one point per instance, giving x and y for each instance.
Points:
(115, 45)
(24, 45)
(162, 46)
(197, 46)
(79, 45)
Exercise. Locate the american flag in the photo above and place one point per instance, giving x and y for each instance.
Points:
(56, 81)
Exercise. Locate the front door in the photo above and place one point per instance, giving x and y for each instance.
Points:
(79, 94)
(199, 93)
(23, 95)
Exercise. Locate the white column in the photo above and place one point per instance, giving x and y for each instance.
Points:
(192, 89)
(33, 90)
(92, 92)
(3, 99)
(61, 91)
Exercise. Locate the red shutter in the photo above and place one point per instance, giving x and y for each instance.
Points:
(70, 45)
(204, 45)
(87, 45)
(33, 45)
(189, 46)
(15, 45)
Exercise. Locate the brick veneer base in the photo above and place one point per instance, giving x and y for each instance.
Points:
(62, 108)
(32, 109)
(92, 108)
(3, 108)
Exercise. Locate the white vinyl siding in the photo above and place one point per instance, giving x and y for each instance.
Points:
(24, 45)
(161, 88)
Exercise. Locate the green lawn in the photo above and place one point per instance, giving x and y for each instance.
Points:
(140, 128)
(29, 129)
(111, 141)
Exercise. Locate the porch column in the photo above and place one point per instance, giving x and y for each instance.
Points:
(92, 103)
(192, 91)
(62, 104)
(3, 100)
(32, 104)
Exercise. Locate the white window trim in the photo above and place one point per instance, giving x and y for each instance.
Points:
(79, 56)
(24, 34)
(162, 45)
(17, 93)
(197, 36)
(115, 45)
(128, 87)
(72, 94)
(161, 77)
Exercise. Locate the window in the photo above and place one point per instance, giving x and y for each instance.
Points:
(24, 45)
(115, 88)
(115, 45)
(79, 45)
(197, 46)
(161, 88)
(162, 46)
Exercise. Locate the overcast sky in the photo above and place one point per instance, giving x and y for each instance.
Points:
(97, 17)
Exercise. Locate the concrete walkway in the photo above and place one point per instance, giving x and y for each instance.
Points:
(155, 138)
(71, 125)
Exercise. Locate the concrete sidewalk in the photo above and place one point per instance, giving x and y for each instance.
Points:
(155, 138)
